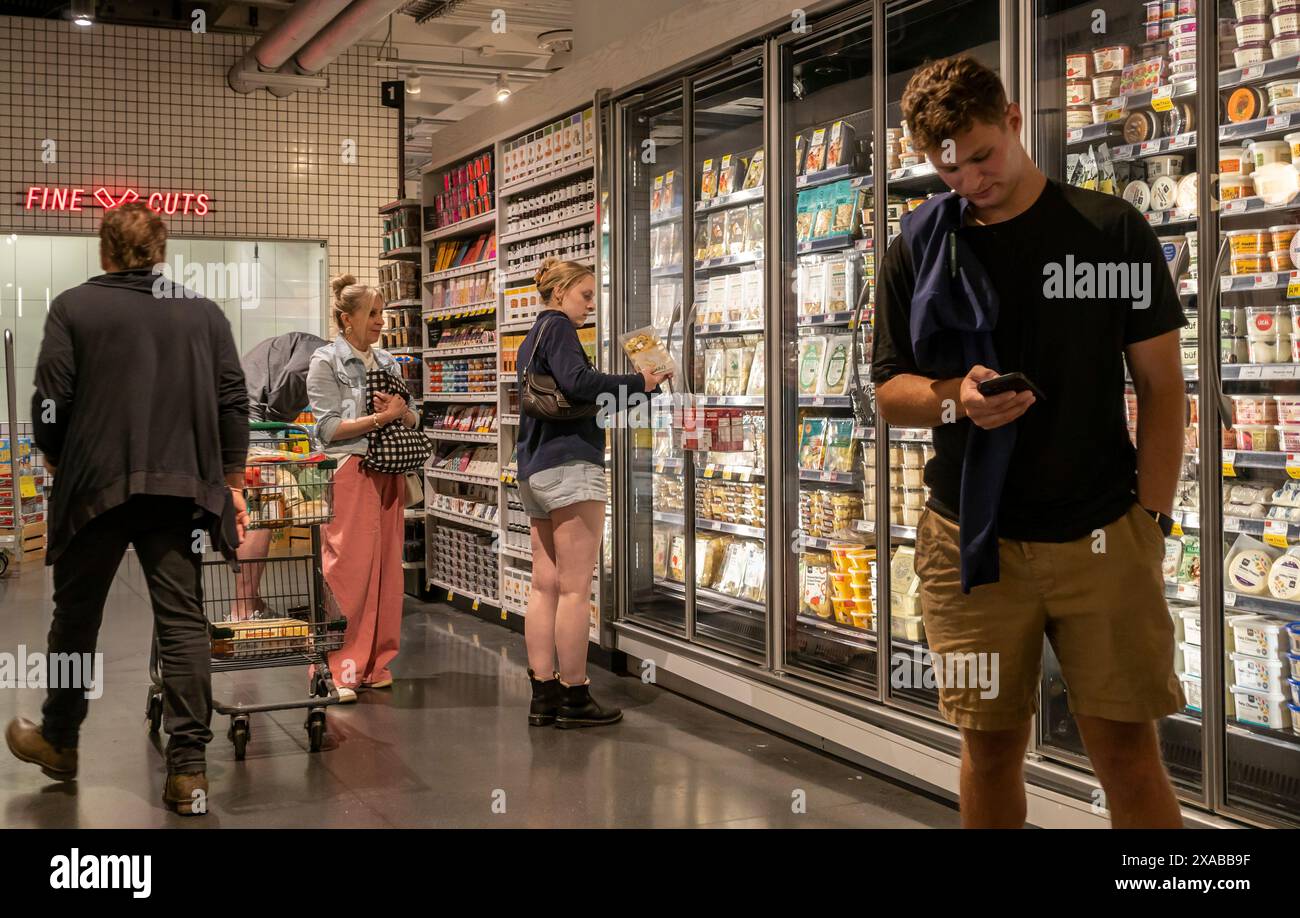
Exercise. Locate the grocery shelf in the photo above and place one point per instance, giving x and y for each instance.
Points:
(740, 473)
(511, 419)
(826, 176)
(667, 271)
(469, 310)
(1091, 133)
(729, 401)
(487, 525)
(477, 267)
(413, 513)
(825, 244)
(825, 401)
(897, 532)
(516, 325)
(469, 350)
(406, 251)
(468, 594)
(828, 477)
(897, 434)
(462, 436)
(825, 544)
(669, 216)
(558, 226)
(1173, 217)
(401, 304)
(1254, 204)
(736, 198)
(515, 551)
(728, 261)
(1250, 371)
(1265, 70)
(1258, 127)
(1132, 151)
(399, 204)
(721, 599)
(669, 463)
(911, 173)
(460, 396)
(728, 328)
(405, 351)
(827, 318)
(1237, 602)
(1286, 738)
(465, 477)
(526, 273)
(1268, 280)
(480, 223)
(553, 174)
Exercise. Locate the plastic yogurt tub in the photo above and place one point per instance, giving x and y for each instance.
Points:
(1264, 709)
(1293, 689)
(1280, 6)
(1258, 636)
(1282, 234)
(1293, 633)
(1285, 106)
(1234, 160)
(1248, 8)
(1267, 152)
(1288, 408)
(1078, 92)
(1168, 164)
(1294, 711)
(1114, 57)
(1078, 66)
(1257, 52)
(1253, 409)
(1253, 28)
(1076, 116)
(1286, 22)
(1191, 658)
(1258, 673)
(1258, 437)
(1280, 260)
(1234, 185)
(1285, 45)
(1288, 435)
(1249, 264)
(1105, 86)
(1293, 665)
(1247, 241)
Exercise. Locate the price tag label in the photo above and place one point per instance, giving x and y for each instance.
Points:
(1074, 135)
(1293, 465)
(1235, 206)
(726, 474)
(818, 401)
(1265, 281)
(1162, 99)
(1229, 461)
(1293, 285)
(1275, 533)
(450, 596)
(1252, 72)
(1229, 598)
(26, 486)
(503, 615)
(1176, 530)
(1154, 218)
(1278, 371)
(659, 467)
(1187, 592)
(1231, 524)
(474, 604)
(1273, 122)
(1149, 146)
(708, 470)
(1250, 372)
(1115, 112)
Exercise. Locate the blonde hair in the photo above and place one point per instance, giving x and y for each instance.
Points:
(347, 297)
(555, 277)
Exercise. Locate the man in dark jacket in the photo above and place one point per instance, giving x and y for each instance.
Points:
(141, 411)
(276, 372)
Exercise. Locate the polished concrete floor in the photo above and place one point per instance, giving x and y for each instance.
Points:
(448, 745)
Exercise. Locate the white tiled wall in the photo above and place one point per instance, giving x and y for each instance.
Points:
(150, 109)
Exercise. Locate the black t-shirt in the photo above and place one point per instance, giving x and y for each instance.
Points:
(1074, 468)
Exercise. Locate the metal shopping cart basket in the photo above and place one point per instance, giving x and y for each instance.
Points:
(277, 610)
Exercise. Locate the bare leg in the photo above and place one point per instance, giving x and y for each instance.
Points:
(578, 527)
(248, 582)
(1126, 759)
(993, 778)
(539, 623)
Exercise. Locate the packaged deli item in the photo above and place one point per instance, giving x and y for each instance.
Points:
(812, 356)
(1259, 636)
(1078, 66)
(835, 376)
(1138, 193)
(1164, 193)
(1111, 57)
(754, 174)
(1173, 557)
(1263, 709)
(1246, 103)
(1141, 126)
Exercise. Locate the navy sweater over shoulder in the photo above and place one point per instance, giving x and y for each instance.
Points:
(546, 444)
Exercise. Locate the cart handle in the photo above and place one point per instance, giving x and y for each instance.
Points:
(275, 425)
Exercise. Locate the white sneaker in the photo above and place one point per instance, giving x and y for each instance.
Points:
(347, 695)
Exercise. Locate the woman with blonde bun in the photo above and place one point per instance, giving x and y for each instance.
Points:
(362, 546)
(562, 488)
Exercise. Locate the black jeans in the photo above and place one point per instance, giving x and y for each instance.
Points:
(164, 531)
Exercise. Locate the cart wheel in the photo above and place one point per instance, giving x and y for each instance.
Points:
(239, 735)
(315, 729)
(153, 710)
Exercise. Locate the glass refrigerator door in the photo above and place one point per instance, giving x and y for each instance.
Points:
(658, 560)
(916, 33)
(826, 164)
(1259, 348)
(1149, 157)
(726, 354)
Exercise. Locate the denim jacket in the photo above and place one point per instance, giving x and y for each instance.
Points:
(336, 385)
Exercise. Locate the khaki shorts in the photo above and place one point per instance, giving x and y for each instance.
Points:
(1103, 611)
(560, 486)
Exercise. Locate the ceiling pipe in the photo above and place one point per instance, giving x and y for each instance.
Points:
(349, 27)
(536, 73)
(272, 50)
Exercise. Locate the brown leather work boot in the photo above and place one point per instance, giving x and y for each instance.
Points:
(179, 794)
(28, 745)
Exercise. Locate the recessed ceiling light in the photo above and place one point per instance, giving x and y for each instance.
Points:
(503, 88)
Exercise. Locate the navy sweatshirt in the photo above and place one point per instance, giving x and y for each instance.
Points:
(546, 444)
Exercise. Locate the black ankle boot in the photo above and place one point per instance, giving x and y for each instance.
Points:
(579, 709)
(546, 701)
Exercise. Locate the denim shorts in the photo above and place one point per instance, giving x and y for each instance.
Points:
(561, 485)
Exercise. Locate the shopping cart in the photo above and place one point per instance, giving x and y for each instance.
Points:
(276, 611)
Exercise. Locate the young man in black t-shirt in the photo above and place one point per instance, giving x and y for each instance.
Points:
(1073, 284)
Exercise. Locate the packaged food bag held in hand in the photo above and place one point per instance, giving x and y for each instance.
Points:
(393, 448)
(647, 352)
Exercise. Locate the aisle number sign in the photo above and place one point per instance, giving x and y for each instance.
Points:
(52, 198)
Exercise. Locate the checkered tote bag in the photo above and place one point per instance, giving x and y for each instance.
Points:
(393, 448)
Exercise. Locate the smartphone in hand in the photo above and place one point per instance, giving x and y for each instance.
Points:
(1010, 382)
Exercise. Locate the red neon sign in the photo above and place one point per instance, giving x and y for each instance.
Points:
(49, 198)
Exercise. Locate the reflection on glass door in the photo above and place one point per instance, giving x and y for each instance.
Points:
(827, 221)
(658, 560)
(726, 354)
(916, 33)
(1140, 144)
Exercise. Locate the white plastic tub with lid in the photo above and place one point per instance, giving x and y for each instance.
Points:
(1293, 665)
(1259, 673)
(1191, 625)
(1191, 690)
(1264, 709)
(1258, 636)
(1191, 654)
